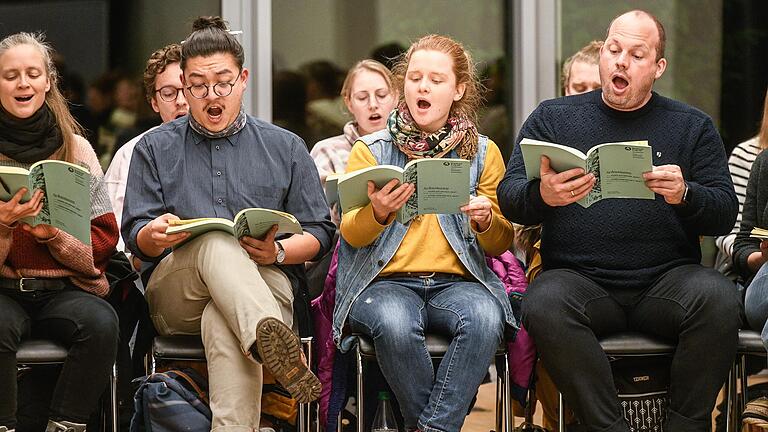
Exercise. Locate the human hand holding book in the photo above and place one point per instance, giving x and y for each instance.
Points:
(389, 199)
(757, 259)
(617, 168)
(250, 222)
(437, 186)
(52, 194)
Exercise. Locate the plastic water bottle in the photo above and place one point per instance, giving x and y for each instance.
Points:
(384, 420)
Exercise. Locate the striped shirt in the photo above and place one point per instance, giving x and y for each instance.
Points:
(740, 165)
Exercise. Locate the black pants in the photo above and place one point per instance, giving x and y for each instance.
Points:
(84, 323)
(694, 306)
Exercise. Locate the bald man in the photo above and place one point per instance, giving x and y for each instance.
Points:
(629, 264)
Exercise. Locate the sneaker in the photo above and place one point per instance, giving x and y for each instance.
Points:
(279, 351)
(64, 426)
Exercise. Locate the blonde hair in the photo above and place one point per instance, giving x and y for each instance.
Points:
(369, 65)
(56, 102)
(762, 136)
(463, 67)
(589, 54)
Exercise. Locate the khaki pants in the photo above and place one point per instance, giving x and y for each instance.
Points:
(211, 287)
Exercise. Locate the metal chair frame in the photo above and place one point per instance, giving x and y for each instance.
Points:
(25, 358)
(657, 348)
(504, 418)
(749, 344)
(304, 419)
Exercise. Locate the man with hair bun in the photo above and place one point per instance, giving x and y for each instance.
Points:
(237, 294)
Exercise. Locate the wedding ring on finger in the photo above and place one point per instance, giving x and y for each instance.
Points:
(573, 195)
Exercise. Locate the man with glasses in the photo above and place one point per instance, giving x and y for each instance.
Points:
(238, 294)
(162, 87)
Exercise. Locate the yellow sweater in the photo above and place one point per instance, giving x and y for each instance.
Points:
(425, 248)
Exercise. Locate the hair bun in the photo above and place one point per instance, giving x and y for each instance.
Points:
(209, 22)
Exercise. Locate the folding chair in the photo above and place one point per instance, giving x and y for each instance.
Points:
(34, 352)
(437, 346)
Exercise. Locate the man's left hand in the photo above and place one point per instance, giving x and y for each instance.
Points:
(667, 181)
(264, 251)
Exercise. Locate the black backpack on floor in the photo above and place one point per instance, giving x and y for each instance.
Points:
(642, 384)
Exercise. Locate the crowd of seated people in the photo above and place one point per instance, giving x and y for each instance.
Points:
(615, 266)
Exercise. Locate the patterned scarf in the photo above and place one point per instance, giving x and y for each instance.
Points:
(458, 133)
(230, 130)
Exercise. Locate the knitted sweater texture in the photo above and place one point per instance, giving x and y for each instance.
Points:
(625, 244)
(64, 256)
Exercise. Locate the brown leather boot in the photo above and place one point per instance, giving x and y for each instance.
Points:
(279, 350)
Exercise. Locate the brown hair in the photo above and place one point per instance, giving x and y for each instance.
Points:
(463, 68)
(210, 36)
(661, 46)
(156, 65)
(589, 54)
(762, 136)
(369, 65)
(56, 102)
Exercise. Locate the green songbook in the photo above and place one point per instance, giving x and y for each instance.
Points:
(442, 186)
(759, 233)
(251, 222)
(618, 167)
(332, 188)
(67, 189)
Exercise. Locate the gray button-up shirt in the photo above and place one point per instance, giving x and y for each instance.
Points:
(176, 170)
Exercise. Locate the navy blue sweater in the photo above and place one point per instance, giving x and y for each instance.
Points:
(625, 244)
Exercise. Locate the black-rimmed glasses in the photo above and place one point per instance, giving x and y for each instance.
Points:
(169, 93)
(221, 89)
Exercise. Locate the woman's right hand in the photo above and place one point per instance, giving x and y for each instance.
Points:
(388, 199)
(13, 210)
(756, 259)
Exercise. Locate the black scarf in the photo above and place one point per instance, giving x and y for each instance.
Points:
(30, 139)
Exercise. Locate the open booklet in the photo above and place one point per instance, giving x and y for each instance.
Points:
(332, 187)
(251, 222)
(759, 233)
(442, 186)
(67, 189)
(618, 167)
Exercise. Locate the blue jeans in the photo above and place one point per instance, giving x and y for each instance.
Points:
(397, 312)
(756, 303)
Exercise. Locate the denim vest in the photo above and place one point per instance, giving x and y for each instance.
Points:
(359, 267)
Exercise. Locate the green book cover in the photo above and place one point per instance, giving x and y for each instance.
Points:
(67, 189)
(252, 222)
(442, 186)
(332, 188)
(618, 167)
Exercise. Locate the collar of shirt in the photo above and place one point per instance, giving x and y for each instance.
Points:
(197, 138)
